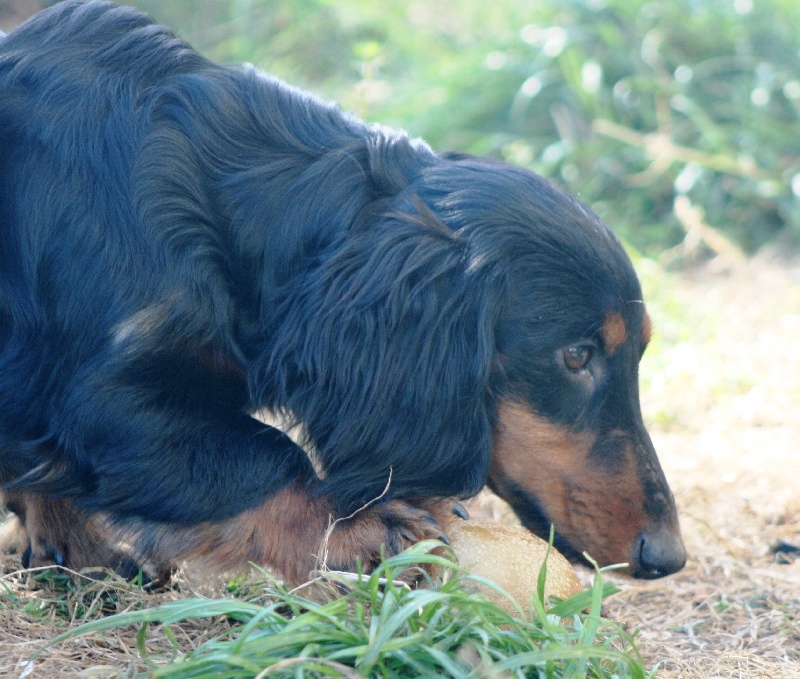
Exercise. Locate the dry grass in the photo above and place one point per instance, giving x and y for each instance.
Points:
(722, 387)
(35, 607)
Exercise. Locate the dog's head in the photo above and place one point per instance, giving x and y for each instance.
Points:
(478, 324)
(569, 445)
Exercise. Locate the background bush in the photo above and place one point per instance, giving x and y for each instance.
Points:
(626, 103)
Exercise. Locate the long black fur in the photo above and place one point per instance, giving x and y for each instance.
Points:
(182, 244)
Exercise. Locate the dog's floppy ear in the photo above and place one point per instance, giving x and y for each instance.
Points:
(384, 354)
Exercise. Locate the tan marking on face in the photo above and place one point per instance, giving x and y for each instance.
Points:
(601, 514)
(613, 331)
(647, 329)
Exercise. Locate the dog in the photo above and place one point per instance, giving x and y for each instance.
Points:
(184, 245)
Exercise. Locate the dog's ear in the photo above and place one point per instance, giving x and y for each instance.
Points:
(384, 353)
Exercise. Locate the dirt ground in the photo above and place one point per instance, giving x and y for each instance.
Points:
(721, 389)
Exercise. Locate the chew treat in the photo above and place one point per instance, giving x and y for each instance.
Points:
(511, 557)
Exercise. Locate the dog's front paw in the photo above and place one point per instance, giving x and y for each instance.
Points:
(56, 534)
(387, 528)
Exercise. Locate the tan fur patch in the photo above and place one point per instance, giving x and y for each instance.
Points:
(289, 533)
(283, 532)
(595, 512)
(13, 538)
(613, 332)
(647, 329)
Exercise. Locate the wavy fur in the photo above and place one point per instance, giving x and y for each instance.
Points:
(184, 244)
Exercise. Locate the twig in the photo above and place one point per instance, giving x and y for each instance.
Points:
(662, 150)
(332, 524)
(692, 219)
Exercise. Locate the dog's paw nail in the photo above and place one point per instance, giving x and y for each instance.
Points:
(445, 539)
(58, 557)
(26, 557)
(460, 511)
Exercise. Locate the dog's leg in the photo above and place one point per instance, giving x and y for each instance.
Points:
(164, 442)
(295, 533)
(57, 533)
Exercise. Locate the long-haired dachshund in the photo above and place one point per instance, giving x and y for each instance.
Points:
(183, 245)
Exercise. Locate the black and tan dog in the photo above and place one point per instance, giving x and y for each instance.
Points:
(182, 245)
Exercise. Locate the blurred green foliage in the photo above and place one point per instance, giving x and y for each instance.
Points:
(626, 103)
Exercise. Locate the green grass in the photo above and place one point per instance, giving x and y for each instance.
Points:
(381, 628)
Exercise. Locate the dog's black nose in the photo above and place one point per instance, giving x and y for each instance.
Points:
(658, 552)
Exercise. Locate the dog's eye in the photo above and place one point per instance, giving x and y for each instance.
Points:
(576, 358)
